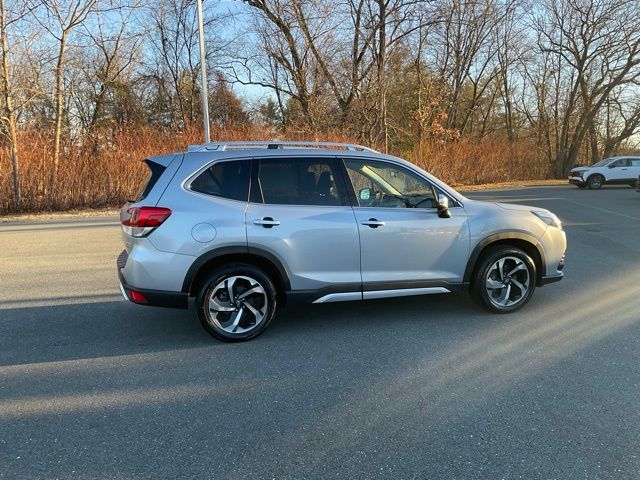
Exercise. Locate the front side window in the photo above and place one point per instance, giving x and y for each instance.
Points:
(381, 184)
(623, 162)
(298, 181)
(225, 179)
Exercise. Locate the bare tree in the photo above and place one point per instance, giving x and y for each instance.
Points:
(289, 64)
(598, 49)
(116, 44)
(621, 120)
(62, 17)
(509, 33)
(464, 54)
(9, 115)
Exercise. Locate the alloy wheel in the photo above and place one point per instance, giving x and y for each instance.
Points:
(507, 281)
(595, 182)
(237, 304)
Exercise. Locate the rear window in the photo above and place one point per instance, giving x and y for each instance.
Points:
(300, 182)
(153, 174)
(225, 179)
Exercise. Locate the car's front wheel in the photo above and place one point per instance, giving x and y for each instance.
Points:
(505, 280)
(595, 181)
(236, 302)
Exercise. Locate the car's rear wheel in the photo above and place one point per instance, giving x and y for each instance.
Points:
(505, 280)
(595, 182)
(236, 302)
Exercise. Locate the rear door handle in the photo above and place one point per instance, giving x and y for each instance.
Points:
(373, 223)
(266, 222)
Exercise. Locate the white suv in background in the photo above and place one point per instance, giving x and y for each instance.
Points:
(610, 171)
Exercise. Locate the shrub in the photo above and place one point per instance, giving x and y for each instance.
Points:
(106, 169)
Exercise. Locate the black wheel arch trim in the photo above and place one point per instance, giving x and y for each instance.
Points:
(596, 174)
(501, 237)
(205, 258)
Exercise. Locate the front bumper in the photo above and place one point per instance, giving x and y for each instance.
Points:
(577, 181)
(549, 279)
(153, 298)
(556, 276)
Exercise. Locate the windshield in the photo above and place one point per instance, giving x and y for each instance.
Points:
(602, 163)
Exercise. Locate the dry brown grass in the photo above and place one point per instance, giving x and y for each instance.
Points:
(474, 163)
(106, 176)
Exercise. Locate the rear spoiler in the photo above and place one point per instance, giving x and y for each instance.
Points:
(163, 160)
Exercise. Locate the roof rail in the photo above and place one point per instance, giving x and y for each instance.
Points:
(276, 145)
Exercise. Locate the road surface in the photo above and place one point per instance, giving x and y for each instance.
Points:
(425, 387)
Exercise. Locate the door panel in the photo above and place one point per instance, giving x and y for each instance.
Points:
(413, 245)
(620, 173)
(634, 169)
(316, 239)
(403, 241)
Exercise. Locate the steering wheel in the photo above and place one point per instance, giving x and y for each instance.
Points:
(431, 199)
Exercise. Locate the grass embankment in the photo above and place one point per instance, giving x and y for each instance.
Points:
(105, 170)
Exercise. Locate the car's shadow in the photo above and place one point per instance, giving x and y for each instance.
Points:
(110, 328)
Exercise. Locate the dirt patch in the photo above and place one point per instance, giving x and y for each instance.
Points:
(42, 216)
(509, 185)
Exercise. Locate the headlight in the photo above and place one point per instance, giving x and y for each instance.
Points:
(548, 218)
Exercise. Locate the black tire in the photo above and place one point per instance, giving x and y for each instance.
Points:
(264, 302)
(485, 269)
(595, 181)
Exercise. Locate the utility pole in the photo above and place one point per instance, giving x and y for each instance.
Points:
(203, 72)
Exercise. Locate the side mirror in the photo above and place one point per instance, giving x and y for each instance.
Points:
(443, 206)
(364, 194)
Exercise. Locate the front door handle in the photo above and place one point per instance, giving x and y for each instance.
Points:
(373, 223)
(266, 222)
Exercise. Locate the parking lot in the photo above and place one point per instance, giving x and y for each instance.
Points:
(422, 387)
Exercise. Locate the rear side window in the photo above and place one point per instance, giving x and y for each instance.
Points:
(225, 179)
(153, 175)
(293, 181)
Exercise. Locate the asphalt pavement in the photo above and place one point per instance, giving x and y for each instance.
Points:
(93, 387)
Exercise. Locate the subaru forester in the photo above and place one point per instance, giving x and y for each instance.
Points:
(247, 227)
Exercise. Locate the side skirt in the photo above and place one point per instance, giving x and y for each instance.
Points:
(345, 293)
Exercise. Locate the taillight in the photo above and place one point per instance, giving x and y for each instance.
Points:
(137, 297)
(141, 221)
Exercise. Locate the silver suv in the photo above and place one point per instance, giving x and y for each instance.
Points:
(246, 227)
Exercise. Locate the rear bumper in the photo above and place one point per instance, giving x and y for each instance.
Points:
(153, 298)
